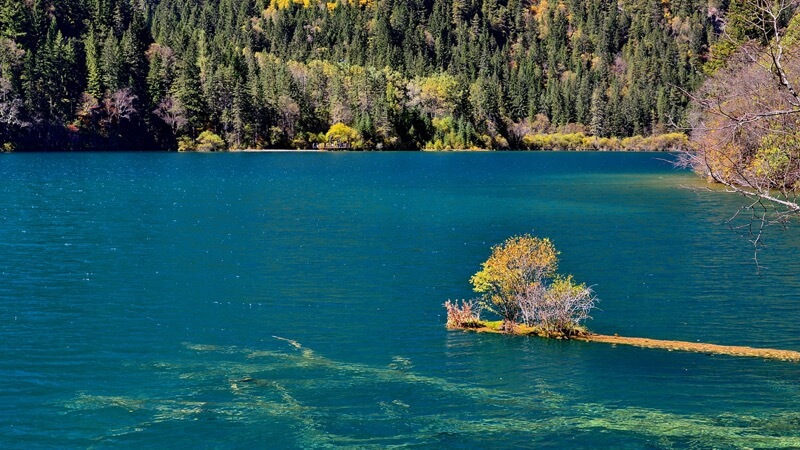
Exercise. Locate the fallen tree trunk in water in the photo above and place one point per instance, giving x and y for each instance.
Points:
(697, 347)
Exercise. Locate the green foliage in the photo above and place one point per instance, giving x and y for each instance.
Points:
(111, 63)
(94, 77)
(450, 134)
(719, 55)
(778, 155)
(209, 142)
(186, 144)
(273, 73)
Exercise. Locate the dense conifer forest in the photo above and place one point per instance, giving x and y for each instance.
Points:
(384, 74)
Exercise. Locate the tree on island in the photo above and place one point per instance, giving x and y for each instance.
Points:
(519, 283)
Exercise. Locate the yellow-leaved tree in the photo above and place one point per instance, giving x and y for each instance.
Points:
(208, 141)
(520, 284)
(517, 265)
(340, 133)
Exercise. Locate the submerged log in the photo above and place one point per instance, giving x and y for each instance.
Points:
(697, 347)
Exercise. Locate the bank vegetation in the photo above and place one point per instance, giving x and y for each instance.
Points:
(745, 121)
(157, 74)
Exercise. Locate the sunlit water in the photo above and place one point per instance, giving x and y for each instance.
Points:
(294, 301)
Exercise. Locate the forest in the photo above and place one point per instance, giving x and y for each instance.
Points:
(359, 74)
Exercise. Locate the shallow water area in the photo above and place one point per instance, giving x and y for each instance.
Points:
(233, 300)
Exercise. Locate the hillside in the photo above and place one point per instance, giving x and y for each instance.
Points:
(149, 74)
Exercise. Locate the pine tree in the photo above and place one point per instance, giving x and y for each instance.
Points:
(12, 19)
(110, 63)
(188, 91)
(598, 111)
(133, 60)
(94, 75)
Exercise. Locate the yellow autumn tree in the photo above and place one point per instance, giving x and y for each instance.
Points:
(436, 95)
(209, 142)
(340, 133)
(520, 284)
(515, 267)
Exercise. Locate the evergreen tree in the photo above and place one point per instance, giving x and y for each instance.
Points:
(266, 72)
(187, 89)
(598, 109)
(111, 63)
(94, 75)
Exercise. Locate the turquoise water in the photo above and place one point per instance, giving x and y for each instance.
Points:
(294, 301)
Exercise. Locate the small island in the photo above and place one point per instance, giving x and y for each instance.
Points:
(519, 283)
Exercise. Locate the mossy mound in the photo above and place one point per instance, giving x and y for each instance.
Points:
(496, 326)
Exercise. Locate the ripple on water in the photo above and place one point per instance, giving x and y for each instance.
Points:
(110, 262)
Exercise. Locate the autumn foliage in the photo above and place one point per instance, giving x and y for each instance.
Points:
(514, 268)
(746, 117)
(464, 314)
(519, 283)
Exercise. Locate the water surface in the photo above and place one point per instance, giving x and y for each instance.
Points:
(294, 301)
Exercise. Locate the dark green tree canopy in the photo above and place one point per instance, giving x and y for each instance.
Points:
(277, 73)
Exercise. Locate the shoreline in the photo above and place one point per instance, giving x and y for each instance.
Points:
(660, 152)
(474, 150)
(270, 150)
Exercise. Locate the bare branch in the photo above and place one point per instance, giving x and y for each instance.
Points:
(172, 112)
(745, 122)
(120, 105)
(10, 106)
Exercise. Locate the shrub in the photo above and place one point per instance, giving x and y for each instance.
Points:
(514, 266)
(580, 141)
(465, 315)
(520, 284)
(299, 142)
(340, 133)
(186, 144)
(209, 142)
(558, 308)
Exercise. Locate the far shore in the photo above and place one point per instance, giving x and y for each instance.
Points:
(288, 150)
(470, 150)
(277, 150)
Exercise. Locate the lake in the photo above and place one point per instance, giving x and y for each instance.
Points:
(279, 300)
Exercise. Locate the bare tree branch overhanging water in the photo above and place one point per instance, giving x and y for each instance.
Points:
(745, 120)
